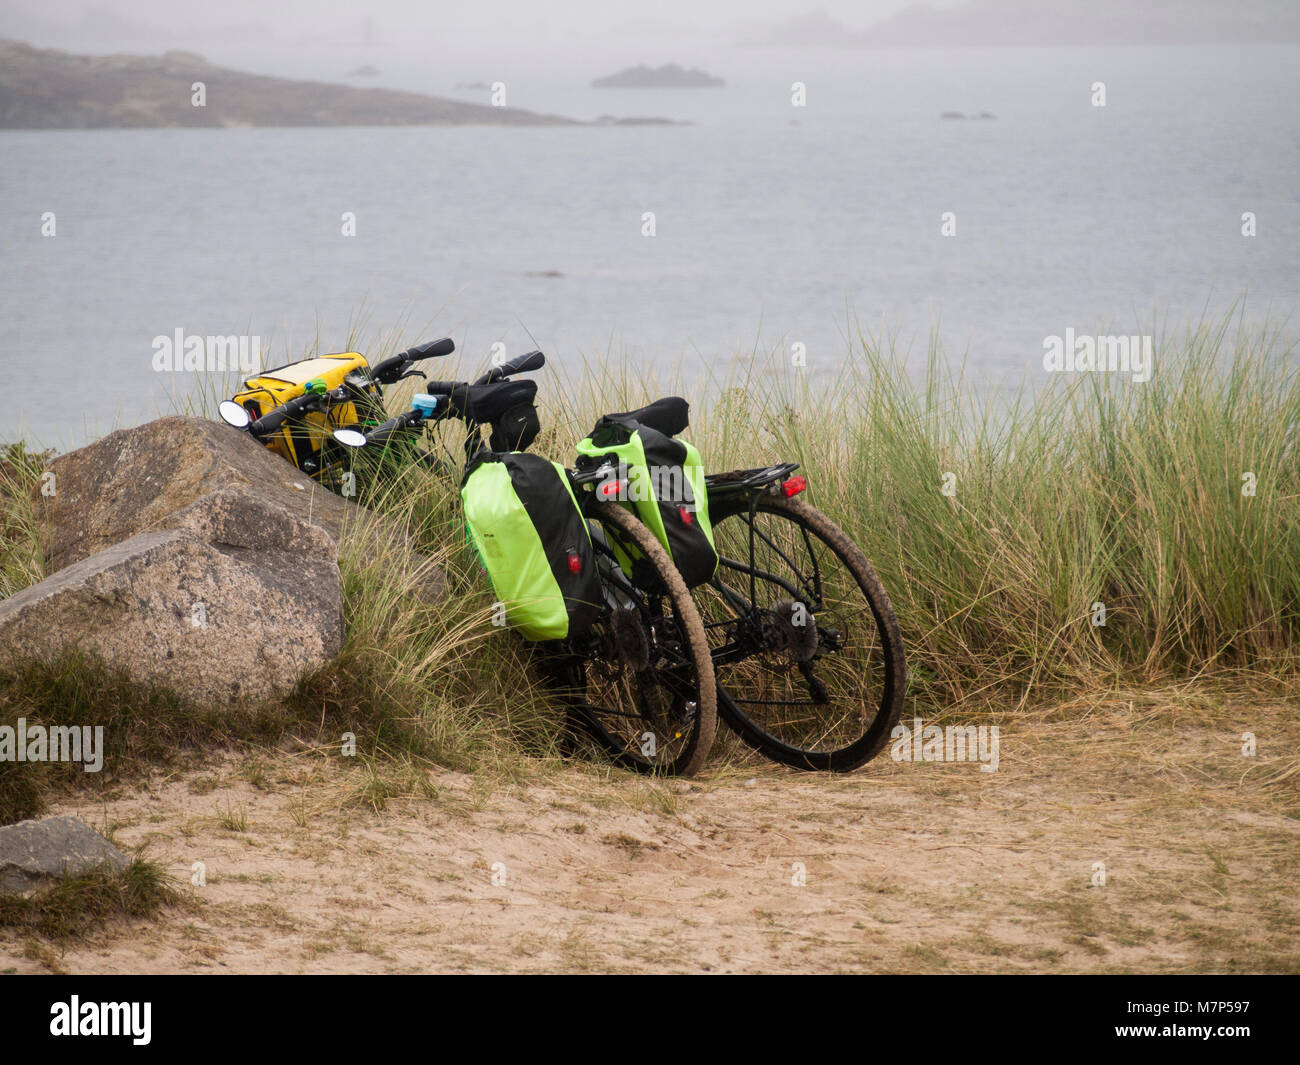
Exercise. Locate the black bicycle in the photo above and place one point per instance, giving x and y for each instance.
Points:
(806, 648)
(639, 682)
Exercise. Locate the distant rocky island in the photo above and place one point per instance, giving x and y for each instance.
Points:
(669, 76)
(49, 89)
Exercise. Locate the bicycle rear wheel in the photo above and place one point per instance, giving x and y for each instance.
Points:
(641, 683)
(806, 648)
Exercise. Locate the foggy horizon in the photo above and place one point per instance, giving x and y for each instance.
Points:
(675, 26)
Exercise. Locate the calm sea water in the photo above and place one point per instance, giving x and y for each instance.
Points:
(774, 224)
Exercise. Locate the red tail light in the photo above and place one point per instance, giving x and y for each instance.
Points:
(687, 517)
(610, 489)
(794, 486)
(575, 561)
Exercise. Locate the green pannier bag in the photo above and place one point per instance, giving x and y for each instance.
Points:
(524, 524)
(661, 480)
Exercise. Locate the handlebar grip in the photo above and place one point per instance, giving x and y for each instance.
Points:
(432, 350)
(380, 434)
(385, 431)
(272, 420)
(534, 360)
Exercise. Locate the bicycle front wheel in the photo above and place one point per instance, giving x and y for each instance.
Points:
(806, 647)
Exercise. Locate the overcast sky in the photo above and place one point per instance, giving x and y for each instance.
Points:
(100, 25)
(561, 19)
(585, 17)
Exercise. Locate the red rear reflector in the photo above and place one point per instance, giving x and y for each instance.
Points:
(575, 561)
(793, 486)
(611, 488)
(687, 517)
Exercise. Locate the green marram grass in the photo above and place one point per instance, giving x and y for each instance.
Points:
(1174, 504)
(1081, 530)
(78, 904)
(1004, 526)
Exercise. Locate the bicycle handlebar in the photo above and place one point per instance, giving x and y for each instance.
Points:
(433, 349)
(272, 420)
(444, 388)
(392, 368)
(443, 399)
(457, 392)
(385, 431)
(534, 360)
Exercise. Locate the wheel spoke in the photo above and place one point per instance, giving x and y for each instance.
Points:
(812, 712)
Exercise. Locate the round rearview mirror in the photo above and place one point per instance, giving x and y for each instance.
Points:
(350, 437)
(233, 414)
